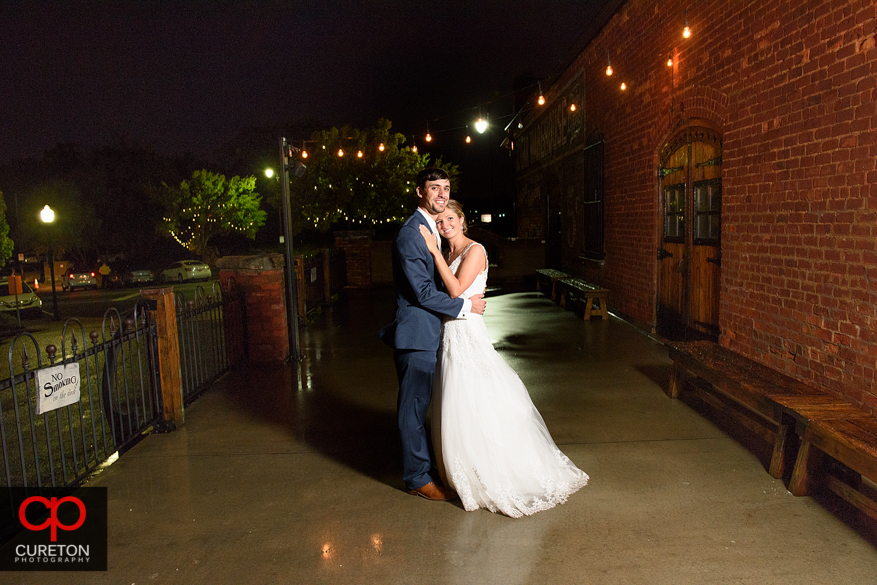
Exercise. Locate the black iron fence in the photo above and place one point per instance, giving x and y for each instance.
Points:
(212, 336)
(320, 276)
(117, 374)
(119, 399)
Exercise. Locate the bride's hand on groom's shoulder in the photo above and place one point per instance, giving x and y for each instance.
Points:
(429, 238)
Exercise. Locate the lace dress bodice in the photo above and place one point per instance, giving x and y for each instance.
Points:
(480, 281)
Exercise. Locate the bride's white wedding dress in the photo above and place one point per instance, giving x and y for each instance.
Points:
(491, 443)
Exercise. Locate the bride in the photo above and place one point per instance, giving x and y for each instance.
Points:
(491, 443)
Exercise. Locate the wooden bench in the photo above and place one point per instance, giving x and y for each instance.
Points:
(576, 287)
(784, 408)
(552, 276)
(850, 441)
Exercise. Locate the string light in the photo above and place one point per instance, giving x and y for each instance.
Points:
(572, 107)
(686, 32)
(541, 100)
(359, 154)
(623, 86)
(669, 60)
(340, 152)
(608, 64)
(381, 147)
(428, 135)
(481, 125)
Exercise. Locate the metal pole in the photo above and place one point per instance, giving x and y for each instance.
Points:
(292, 295)
(55, 314)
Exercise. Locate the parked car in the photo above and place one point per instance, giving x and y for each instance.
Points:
(138, 276)
(28, 302)
(185, 270)
(79, 278)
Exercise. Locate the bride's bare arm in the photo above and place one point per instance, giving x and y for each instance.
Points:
(470, 266)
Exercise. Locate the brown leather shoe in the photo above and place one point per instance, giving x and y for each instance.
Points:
(431, 491)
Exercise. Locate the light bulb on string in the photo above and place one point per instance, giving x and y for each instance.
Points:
(686, 32)
(359, 154)
(572, 107)
(381, 147)
(669, 60)
(428, 135)
(623, 86)
(541, 100)
(340, 152)
(608, 64)
(481, 125)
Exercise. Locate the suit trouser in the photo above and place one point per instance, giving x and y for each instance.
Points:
(416, 371)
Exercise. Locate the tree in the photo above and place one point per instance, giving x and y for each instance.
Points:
(369, 182)
(5, 242)
(210, 205)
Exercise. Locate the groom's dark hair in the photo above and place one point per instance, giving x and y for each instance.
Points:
(431, 174)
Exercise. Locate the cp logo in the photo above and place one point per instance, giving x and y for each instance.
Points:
(53, 522)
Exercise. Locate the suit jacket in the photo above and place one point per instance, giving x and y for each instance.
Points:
(419, 302)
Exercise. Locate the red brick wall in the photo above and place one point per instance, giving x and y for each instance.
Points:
(357, 250)
(264, 288)
(792, 85)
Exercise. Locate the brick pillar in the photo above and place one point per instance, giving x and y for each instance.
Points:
(357, 251)
(262, 282)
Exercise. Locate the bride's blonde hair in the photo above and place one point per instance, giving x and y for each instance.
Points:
(457, 208)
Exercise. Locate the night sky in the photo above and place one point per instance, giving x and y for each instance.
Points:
(186, 76)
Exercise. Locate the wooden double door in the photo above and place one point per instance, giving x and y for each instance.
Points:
(690, 254)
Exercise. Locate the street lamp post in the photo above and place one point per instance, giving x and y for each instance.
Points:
(292, 298)
(48, 216)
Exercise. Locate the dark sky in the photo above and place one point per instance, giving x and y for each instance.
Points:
(186, 75)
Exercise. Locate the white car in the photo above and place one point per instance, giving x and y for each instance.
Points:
(76, 278)
(29, 303)
(185, 270)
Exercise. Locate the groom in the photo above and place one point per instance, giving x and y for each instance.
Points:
(414, 334)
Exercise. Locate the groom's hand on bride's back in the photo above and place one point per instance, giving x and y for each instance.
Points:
(478, 304)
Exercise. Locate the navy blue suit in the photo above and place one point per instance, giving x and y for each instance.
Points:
(414, 336)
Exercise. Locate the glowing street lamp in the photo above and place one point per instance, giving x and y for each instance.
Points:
(48, 216)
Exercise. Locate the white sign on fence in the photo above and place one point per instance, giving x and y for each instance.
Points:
(57, 386)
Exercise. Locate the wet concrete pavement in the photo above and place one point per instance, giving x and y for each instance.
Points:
(291, 474)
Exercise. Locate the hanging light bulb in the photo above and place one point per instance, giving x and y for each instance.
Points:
(359, 154)
(414, 148)
(572, 107)
(686, 32)
(468, 139)
(381, 147)
(608, 64)
(481, 125)
(541, 100)
(623, 86)
(304, 153)
(340, 152)
(669, 60)
(428, 137)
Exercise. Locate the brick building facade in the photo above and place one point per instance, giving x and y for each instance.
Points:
(787, 92)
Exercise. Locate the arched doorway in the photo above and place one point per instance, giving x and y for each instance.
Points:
(690, 256)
